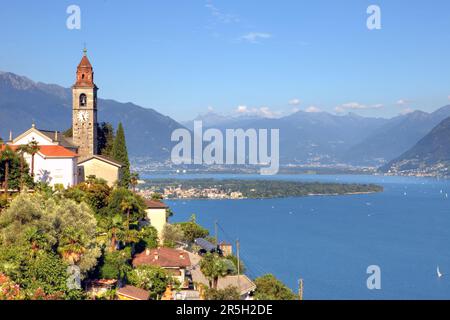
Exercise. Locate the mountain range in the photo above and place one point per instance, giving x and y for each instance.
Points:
(305, 137)
(321, 137)
(430, 155)
(23, 101)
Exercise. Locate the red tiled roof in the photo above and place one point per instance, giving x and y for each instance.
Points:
(153, 204)
(163, 257)
(56, 152)
(48, 151)
(133, 293)
(85, 63)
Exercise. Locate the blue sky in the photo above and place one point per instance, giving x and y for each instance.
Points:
(270, 57)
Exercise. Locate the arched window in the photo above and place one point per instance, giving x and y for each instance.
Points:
(82, 76)
(83, 100)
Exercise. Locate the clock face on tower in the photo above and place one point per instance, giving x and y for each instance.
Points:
(83, 116)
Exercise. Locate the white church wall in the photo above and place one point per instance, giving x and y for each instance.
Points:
(54, 170)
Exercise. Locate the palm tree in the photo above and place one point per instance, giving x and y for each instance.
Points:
(6, 156)
(126, 206)
(71, 245)
(21, 150)
(115, 228)
(134, 179)
(32, 148)
(213, 267)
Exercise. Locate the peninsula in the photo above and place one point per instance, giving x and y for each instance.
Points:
(249, 189)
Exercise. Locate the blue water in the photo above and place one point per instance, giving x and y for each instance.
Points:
(329, 241)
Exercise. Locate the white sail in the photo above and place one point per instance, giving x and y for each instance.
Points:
(439, 274)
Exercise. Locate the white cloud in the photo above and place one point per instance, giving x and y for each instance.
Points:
(403, 102)
(294, 102)
(220, 16)
(255, 37)
(357, 106)
(313, 109)
(242, 109)
(264, 112)
(210, 109)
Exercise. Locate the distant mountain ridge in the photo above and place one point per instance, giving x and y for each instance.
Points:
(23, 101)
(397, 136)
(324, 138)
(430, 155)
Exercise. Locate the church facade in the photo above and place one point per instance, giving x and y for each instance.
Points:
(69, 161)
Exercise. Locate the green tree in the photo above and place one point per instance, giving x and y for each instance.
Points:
(120, 219)
(229, 293)
(148, 239)
(105, 138)
(214, 267)
(62, 227)
(95, 192)
(32, 148)
(234, 261)
(270, 288)
(171, 235)
(151, 278)
(115, 264)
(120, 153)
(6, 158)
(192, 230)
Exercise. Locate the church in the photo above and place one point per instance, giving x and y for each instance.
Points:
(69, 161)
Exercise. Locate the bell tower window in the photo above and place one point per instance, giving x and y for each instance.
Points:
(83, 100)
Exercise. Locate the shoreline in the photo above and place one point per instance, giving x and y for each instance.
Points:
(286, 197)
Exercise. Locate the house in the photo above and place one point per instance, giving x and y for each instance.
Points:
(53, 163)
(157, 215)
(101, 167)
(132, 293)
(244, 285)
(227, 249)
(174, 261)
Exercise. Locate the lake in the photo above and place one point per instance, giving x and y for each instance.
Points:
(329, 241)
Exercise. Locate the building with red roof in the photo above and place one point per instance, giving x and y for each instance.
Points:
(173, 260)
(68, 161)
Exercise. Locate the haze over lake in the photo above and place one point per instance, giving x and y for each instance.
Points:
(329, 241)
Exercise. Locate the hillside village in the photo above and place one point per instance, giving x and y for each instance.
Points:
(72, 226)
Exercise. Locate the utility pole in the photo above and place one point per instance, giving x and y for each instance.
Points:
(216, 233)
(300, 289)
(238, 246)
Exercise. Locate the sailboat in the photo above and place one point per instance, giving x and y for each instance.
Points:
(439, 274)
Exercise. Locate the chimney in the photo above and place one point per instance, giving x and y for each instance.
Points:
(181, 256)
(56, 135)
(147, 252)
(156, 256)
(10, 136)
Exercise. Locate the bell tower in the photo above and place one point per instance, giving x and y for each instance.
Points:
(84, 109)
